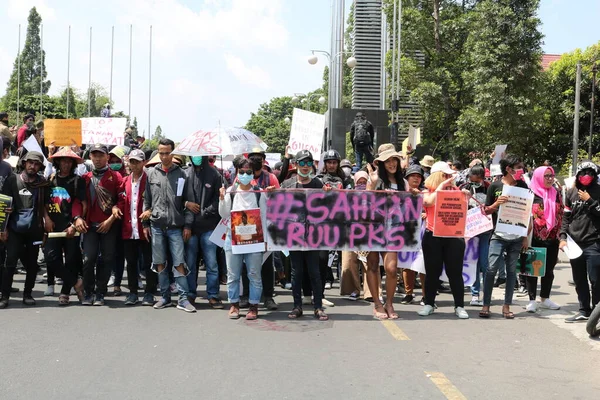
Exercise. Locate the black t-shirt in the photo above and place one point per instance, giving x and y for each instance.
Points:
(62, 195)
(495, 191)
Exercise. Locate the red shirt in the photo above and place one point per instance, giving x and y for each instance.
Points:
(21, 135)
(111, 181)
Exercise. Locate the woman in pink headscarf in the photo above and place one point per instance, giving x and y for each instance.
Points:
(547, 218)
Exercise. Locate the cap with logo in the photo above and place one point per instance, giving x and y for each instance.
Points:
(99, 147)
(137, 155)
(303, 155)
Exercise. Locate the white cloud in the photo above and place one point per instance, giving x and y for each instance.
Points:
(252, 76)
(19, 9)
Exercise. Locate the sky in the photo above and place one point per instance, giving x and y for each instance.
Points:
(213, 61)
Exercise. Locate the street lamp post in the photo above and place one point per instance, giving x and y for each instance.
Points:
(307, 99)
(594, 71)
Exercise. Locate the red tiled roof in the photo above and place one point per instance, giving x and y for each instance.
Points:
(548, 58)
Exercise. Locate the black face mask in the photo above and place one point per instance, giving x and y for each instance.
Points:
(256, 162)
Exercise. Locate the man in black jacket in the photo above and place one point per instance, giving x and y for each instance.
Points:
(363, 138)
(203, 187)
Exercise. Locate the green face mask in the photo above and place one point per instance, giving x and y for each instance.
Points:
(116, 166)
(197, 160)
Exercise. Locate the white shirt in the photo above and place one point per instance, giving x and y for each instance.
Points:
(135, 190)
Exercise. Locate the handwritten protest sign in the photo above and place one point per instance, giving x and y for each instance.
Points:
(450, 214)
(348, 220)
(247, 232)
(307, 132)
(414, 261)
(108, 131)
(514, 215)
(5, 202)
(273, 158)
(499, 153)
(62, 131)
(533, 262)
(220, 232)
(477, 223)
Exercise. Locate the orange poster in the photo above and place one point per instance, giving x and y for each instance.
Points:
(63, 132)
(247, 232)
(450, 214)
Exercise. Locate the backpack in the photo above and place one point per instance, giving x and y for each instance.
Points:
(361, 134)
(255, 188)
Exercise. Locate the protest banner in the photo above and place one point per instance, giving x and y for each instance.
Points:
(220, 232)
(247, 232)
(63, 132)
(108, 131)
(312, 219)
(450, 214)
(5, 202)
(307, 132)
(414, 261)
(477, 222)
(533, 262)
(499, 153)
(514, 215)
(273, 158)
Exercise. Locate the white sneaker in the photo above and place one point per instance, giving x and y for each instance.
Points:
(531, 306)
(58, 281)
(327, 285)
(475, 301)
(549, 304)
(111, 281)
(327, 303)
(307, 301)
(49, 291)
(461, 313)
(288, 286)
(427, 310)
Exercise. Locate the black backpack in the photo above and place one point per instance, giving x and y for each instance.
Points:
(361, 134)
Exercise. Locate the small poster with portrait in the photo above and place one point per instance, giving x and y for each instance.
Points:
(247, 232)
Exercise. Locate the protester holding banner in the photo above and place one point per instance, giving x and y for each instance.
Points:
(582, 223)
(387, 176)
(505, 248)
(243, 197)
(547, 219)
(440, 252)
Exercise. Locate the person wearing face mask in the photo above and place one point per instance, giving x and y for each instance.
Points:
(582, 222)
(204, 183)
(504, 248)
(115, 159)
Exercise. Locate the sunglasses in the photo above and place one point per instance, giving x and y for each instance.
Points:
(247, 172)
(549, 176)
(305, 163)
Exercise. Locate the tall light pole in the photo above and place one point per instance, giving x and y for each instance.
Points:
(594, 71)
(576, 119)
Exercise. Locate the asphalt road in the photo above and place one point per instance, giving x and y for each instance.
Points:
(139, 353)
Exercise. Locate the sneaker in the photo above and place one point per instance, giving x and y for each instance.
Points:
(111, 281)
(131, 299)
(88, 300)
(252, 312)
(422, 302)
(140, 284)
(407, 299)
(215, 304)
(45, 275)
(173, 288)
(234, 311)
(354, 296)
(522, 291)
(49, 291)
(499, 282)
(531, 306)
(327, 285)
(162, 303)
(427, 310)
(288, 286)
(443, 288)
(99, 300)
(244, 302)
(461, 313)
(327, 303)
(579, 317)
(3, 302)
(270, 305)
(186, 306)
(28, 300)
(549, 305)
(148, 299)
(475, 301)
(73, 292)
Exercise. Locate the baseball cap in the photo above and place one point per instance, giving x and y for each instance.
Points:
(99, 147)
(414, 169)
(137, 155)
(442, 166)
(303, 155)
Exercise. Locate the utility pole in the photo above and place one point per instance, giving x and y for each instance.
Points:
(576, 119)
(594, 71)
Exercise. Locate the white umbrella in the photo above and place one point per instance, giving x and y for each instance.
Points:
(220, 141)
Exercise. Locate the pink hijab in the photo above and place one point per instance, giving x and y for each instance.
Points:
(548, 195)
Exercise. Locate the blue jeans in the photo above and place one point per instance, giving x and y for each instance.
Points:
(173, 240)
(483, 261)
(209, 253)
(253, 263)
(359, 153)
(505, 252)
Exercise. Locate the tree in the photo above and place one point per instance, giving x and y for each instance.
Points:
(32, 72)
(269, 123)
(158, 135)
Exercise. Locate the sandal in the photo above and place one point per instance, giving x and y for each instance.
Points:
(320, 315)
(391, 315)
(508, 314)
(215, 304)
(380, 315)
(295, 313)
(63, 300)
(79, 289)
(485, 313)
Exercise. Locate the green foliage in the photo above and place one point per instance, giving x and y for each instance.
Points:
(269, 123)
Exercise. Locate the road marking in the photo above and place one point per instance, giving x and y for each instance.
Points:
(446, 387)
(394, 330)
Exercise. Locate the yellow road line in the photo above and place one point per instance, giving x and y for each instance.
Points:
(446, 387)
(394, 330)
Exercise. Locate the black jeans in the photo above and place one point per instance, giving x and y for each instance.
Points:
(437, 252)
(133, 250)
(268, 278)
(310, 261)
(96, 277)
(584, 267)
(20, 245)
(70, 268)
(547, 280)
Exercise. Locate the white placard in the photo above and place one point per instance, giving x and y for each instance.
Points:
(31, 144)
(307, 132)
(414, 137)
(218, 235)
(272, 159)
(495, 170)
(477, 223)
(515, 214)
(108, 131)
(499, 151)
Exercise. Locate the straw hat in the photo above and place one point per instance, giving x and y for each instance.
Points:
(66, 152)
(387, 154)
(427, 161)
(386, 147)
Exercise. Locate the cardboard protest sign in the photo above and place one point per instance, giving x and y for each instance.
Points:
(220, 232)
(450, 214)
(247, 232)
(477, 223)
(5, 202)
(533, 262)
(515, 214)
(63, 132)
(108, 131)
(307, 132)
(312, 219)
